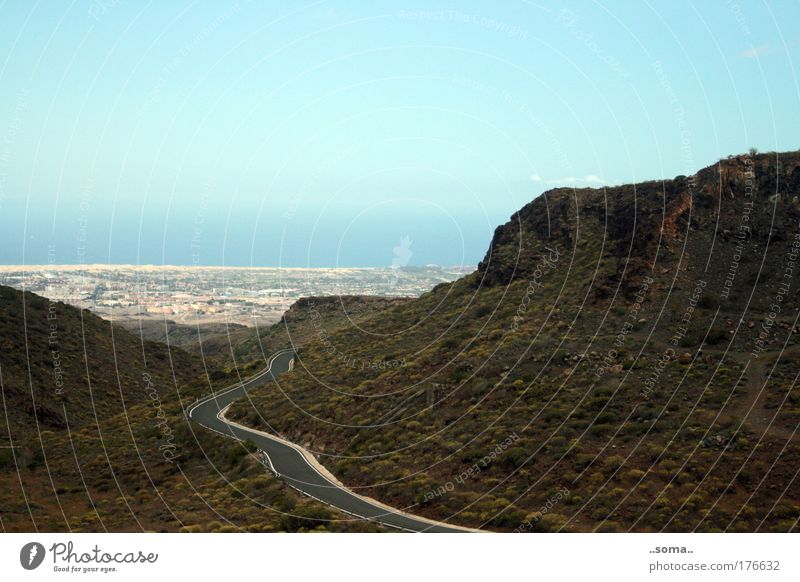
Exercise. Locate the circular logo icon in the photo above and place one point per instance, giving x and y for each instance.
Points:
(31, 555)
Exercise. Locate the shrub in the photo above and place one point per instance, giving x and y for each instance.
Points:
(552, 522)
(608, 527)
(305, 518)
(508, 519)
(514, 458)
(6, 459)
(708, 301)
(716, 335)
(613, 462)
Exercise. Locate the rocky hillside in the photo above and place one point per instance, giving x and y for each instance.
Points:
(64, 367)
(93, 436)
(624, 358)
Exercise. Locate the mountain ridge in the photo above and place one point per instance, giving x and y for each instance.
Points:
(93, 435)
(616, 332)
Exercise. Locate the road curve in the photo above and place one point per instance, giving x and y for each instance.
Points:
(296, 466)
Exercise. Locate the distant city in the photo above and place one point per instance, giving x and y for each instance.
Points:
(246, 296)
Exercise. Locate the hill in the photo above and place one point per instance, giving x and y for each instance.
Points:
(202, 339)
(62, 366)
(624, 358)
(244, 349)
(93, 436)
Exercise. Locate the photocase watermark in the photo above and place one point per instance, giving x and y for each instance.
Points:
(95, 560)
(670, 354)
(402, 257)
(743, 231)
(569, 20)
(784, 287)
(202, 35)
(31, 555)
(52, 333)
(475, 469)
(738, 15)
(545, 265)
(382, 364)
(82, 236)
(166, 444)
(9, 139)
(320, 175)
(511, 31)
(199, 222)
(631, 319)
(661, 364)
(67, 559)
(345, 358)
(546, 508)
(177, 60)
(679, 114)
(688, 313)
(511, 101)
(100, 8)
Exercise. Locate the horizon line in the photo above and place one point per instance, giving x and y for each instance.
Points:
(87, 266)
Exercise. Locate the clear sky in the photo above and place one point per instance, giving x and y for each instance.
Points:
(321, 133)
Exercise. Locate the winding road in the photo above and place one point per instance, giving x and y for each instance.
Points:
(297, 466)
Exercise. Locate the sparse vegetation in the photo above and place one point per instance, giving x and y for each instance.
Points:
(109, 471)
(622, 383)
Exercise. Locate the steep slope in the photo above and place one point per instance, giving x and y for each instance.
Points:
(62, 367)
(245, 349)
(205, 339)
(623, 358)
(93, 436)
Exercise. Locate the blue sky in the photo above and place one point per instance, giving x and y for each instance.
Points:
(322, 133)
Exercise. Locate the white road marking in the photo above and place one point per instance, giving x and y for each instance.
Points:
(308, 458)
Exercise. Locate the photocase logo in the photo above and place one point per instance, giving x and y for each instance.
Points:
(402, 253)
(31, 555)
(402, 256)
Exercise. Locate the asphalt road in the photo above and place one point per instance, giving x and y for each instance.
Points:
(289, 463)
